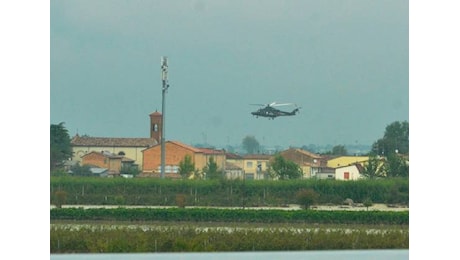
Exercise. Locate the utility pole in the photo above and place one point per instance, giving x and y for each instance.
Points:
(164, 79)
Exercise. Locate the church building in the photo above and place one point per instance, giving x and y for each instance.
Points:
(127, 147)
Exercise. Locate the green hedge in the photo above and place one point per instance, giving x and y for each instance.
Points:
(153, 191)
(232, 215)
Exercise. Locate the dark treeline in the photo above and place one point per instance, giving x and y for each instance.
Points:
(164, 192)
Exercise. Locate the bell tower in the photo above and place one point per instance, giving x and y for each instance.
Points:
(156, 122)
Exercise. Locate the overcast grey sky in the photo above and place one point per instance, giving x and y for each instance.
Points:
(345, 62)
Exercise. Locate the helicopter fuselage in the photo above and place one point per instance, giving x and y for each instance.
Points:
(271, 112)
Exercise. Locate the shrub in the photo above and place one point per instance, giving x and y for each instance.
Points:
(367, 203)
(60, 198)
(120, 200)
(180, 200)
(307, 198)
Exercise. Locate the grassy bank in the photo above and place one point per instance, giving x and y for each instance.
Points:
(107, 236)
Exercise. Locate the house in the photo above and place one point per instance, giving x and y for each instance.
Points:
(324, 173)
(101, 172)
(350, 172)
(234, 159)
(346, 160)
(233, 171)
(234, 166)
(104, 159)
(309, 162)
(255, 166)
(175, 152)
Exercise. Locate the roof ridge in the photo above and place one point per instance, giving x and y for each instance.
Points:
(185, 145)
(113, 141)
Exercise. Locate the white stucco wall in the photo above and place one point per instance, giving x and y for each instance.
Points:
(352, 170)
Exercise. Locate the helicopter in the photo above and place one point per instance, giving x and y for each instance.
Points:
(269, 110)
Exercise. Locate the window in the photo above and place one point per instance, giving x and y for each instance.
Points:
(346, 175)
(249, 164)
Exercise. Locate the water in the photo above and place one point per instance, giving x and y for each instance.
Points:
(393, 254)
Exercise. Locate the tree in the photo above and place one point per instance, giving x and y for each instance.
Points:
(186, 166)
(211, 170)
(60, 149)
(197, 174)
(372, 169)
(250, 144)
(285, 169)
(339, 150)
(395, 139)
(59, 173)
(130, 169)
(83, 170)
(396, 166)
(336, 150)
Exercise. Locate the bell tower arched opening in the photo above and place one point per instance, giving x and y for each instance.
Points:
(156, 121)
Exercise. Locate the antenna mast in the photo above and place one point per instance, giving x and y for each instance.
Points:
(164, 79)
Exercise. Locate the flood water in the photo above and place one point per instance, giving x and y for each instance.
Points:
(393, 254)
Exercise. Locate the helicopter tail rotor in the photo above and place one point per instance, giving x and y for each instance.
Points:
(297, 110)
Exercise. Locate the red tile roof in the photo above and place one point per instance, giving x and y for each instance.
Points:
(307, 153)
(233, 156)
(111, 141)
(105, 154)
(197, 150)
(186, 146)
(257, 156)
(211, 151)
(156, 113)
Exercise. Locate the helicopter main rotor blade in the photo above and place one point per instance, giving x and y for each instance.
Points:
(274, 104)
(281, 104)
